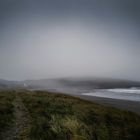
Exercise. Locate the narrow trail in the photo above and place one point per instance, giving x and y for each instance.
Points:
(21, 128)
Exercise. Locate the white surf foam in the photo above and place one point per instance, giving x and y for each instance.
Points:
(125, 94)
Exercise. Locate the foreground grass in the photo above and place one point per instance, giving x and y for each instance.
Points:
(6, 111)
(61, 117)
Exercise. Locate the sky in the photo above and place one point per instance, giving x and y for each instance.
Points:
(69, 38)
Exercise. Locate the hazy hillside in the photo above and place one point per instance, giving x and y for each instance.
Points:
(4, 84)
(69, 84)
(100, 83)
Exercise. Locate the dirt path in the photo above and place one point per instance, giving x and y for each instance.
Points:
(21, 127)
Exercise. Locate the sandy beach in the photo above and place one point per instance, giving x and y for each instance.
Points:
(133, 106)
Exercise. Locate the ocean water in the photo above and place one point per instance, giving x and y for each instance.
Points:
(132, 94)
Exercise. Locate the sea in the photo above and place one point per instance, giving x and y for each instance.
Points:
(132, 94)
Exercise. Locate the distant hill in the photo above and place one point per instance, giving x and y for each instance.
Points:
(99, 83)
(69, 84)
(8, 84)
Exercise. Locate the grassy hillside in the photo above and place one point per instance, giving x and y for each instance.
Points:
(6, 111)
(62, 117)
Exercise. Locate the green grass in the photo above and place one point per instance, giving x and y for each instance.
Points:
(6, 110)
(62, 117)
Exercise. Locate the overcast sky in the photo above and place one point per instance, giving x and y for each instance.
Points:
(69, 38)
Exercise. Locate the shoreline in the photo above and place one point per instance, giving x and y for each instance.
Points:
(133, 106)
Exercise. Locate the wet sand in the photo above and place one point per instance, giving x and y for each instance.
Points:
(133, 106)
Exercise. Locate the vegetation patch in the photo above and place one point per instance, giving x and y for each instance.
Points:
(62, 117)
(6, 111)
